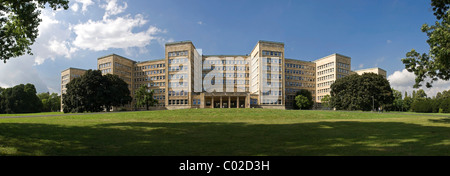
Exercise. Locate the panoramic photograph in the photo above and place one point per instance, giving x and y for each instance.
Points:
(224, 78)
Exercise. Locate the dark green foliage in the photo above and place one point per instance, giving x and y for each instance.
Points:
(20, 99)
(93, 92)
(306, 103)
(19, 21)
(50, 102)
(445, 105)
(361, 92)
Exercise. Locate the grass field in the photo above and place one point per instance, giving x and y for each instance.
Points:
(233, 132)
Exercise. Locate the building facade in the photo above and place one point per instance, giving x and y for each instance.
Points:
(264, 78)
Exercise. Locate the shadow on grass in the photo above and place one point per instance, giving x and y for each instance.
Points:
(444, 120)
(321, 138)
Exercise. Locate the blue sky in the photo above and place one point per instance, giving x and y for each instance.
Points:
(372, 33)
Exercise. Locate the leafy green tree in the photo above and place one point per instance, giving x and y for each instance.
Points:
(308, 95)
(19, 21)
(93, 92)
(435, 64)
(398, 101)
(302, 102)
(361, 92)
(20, 99)
(50, 102)
(115, 92)
(144, 97)
(407, 101)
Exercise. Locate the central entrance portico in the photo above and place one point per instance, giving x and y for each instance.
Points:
(227, 100)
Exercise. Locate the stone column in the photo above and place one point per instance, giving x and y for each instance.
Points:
(237, 102)
(221, 102)
(229, 102)
(212, 101)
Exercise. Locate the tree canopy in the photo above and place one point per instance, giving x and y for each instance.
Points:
(93, 92)
(361, 92)
(19, 99)
(436, 64)
(307, 103)
(19, 21)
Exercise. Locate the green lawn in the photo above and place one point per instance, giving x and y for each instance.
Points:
(227, 132)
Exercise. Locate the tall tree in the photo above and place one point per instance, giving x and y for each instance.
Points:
(115, 92)
(19, 21)
(50, 102)
(144, 97)
(435, 64)
(361, 92)
(302, 102)
(93, 92)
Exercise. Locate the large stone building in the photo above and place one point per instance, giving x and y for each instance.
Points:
(264, 78)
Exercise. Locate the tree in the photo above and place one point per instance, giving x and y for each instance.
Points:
(144, 97)
(326, 101)
(50, 102)
(19, 21)
(20, 99)
(116, 92)
(435, 64)
(308, 95)
(93, 92)
(302, 102)
(407, 101)
(361, 92)
(397, 104)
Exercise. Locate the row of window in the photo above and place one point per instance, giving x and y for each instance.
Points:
(325, 77)
(299, 72)
(271, 101)
(149, 72)
(271, 53)
(236, 68)
(177, 84)
(178, 93)
(288, 65)
(225, 75)
(105, 71)
(340, 64)
(149, 67)
(177, 68)
(330, 70)
(340, 70)
(178, 61)
(178, 76)
(225, 81)
(326, 90)
(178, 102)
(272, 60)
(328, 83)
(327, 65)
(299, 84)
(300, 78)
(225, 61)
(270, 92)
(272, 76)
(119, 65)
(108, 64)
(290, 91)
(150, 78)
(273, 68)
(178, 53)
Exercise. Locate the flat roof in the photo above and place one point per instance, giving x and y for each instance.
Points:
(74, 68)
(297, 60)
(115, 55)
(369, 69)
(337, 54)
(179, 42)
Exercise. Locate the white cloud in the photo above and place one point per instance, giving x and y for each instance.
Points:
(404, 81)
(112, 8)
(85, 3)
(200, 22)
(113, 33)
(52, 40)
(74, 7)
(388, 41)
